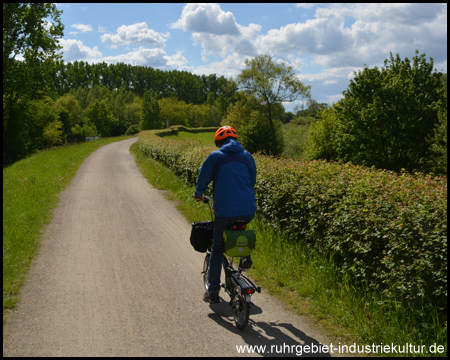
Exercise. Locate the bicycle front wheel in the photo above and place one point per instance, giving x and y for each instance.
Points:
(241, 310)
(206, 271)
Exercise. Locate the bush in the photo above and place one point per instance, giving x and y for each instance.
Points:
(258, 136)
(386, 229)
(132, 129)
(53, 134)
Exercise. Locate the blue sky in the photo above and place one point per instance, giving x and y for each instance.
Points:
(324, 43)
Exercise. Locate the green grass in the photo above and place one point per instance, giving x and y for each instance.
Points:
(163, 178)
(205, 137)
(31, 189)
(310, 284)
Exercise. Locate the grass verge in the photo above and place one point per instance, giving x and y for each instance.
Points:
(311, 284)
(31, 189)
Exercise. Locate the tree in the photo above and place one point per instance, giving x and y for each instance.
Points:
(133, 111)
(79, 133)
(53, 133)
(321, 140)
(173, 111)
(387, 116)
(28, 43)
(257, 136)
(70, 103)
(64, 118)
(99, 115)
(252, 125)
(238, 116)
(150, 116)
(313, 109)
(42, 113)
(271, 83)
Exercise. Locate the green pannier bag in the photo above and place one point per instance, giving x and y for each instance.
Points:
(239, 243)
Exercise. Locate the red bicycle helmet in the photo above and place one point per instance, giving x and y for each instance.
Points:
(224, 132)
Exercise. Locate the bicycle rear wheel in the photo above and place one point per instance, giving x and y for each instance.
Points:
(241, 310)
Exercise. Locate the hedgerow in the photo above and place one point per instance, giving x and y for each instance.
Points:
(388, 230)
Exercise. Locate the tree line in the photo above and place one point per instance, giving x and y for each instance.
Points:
(393, 118)
(188, 87)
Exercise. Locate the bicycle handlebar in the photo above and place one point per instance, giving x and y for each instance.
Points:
(205, 199)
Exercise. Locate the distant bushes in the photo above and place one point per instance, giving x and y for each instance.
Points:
(388, 230)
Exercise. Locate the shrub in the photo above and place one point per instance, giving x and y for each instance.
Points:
(53, 134)
(132, 129)
(386, 229)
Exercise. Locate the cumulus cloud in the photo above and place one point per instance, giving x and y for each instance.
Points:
(207, 18)
(306, 5)
(101, 29)
(75, 50)
(136, 34)
(230, 66)
(222, 45)
(82, 27)
(377, 30)
(149, 57)
(217, 31)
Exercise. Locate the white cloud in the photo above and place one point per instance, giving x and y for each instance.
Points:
(149, 57)
(306, 5)
(378, 29)
(101, 29)
(82, 27)
(206, 18)
(136, 34)
(230, 66)
(75, 50)
(176, 61)
(222, 45)
(141, 56)
(297, 63)
(217, 31)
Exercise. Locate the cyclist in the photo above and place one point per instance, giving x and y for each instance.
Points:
(233, 173)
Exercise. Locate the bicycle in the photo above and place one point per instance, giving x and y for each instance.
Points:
(238, 286)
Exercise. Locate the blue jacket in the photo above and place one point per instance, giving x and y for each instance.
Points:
(233, 173)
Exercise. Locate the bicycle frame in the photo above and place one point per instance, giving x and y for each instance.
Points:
(235, 279)
(238, 286)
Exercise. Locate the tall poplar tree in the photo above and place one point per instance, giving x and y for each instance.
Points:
(150, 115)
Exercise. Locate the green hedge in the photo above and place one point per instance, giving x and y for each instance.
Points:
(173, 130)
(388, 230)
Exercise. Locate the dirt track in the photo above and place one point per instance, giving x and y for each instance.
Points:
(116, 276)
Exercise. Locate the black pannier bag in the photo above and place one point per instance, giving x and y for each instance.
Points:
(201, 235)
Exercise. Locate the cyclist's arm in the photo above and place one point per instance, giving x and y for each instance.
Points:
(204, 177)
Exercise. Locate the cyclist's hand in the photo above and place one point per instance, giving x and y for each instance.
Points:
(197, 198)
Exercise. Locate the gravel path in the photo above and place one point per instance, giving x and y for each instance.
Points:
(116, 276)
